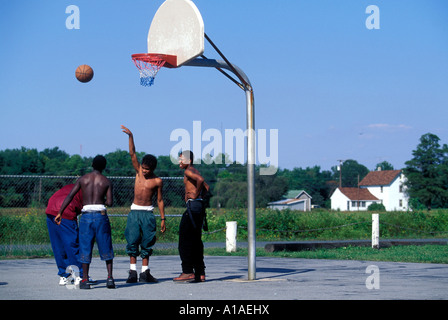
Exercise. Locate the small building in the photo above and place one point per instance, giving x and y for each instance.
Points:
(352, 199)
(294, 200)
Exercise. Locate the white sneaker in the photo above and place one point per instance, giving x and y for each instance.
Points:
(63, 281)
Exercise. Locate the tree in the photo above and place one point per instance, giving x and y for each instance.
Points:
(20, 161)
(269, 188)
(427, 172)
(75, 165)
(310, 179)
(384, 166)
(52, 161)
(352, 172)
(166, 167)
(231, 188)
(119, 163)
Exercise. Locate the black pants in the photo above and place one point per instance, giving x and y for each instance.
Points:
(191, 248)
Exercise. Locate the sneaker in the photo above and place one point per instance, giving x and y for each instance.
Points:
(84, 285)
(185, 277)
(63, 281)
(110, 284)
(89, 281)
(147, 277)
(132, 277)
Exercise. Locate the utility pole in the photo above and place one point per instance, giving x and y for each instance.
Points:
(340, 172)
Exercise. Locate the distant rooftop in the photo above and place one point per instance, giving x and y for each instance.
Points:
(358, 194)
(380, 178)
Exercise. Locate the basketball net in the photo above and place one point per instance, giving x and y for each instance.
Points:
(148, 66)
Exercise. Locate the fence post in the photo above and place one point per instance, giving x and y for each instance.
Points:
(375, 231)
(231, 236)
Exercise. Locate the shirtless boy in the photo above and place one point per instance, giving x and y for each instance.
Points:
(141, 223)
(191, 248)
(94, 224)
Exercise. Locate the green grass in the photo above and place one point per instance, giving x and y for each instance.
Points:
(29, 228)
(420, 254)
(417, 254)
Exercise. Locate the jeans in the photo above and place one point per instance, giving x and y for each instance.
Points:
(65, 244)
(95, 226)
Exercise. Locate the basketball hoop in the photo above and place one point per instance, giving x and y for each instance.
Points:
(148, 64)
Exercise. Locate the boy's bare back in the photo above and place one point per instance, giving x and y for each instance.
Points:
(96, 189)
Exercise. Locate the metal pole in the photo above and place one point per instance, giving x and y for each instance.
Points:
(250, 114)
(251, 185)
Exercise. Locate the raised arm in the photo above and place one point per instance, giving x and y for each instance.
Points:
(135, 162)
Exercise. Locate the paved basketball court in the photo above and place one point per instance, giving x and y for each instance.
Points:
(277, 279)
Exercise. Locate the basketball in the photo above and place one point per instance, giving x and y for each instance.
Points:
(84, 73)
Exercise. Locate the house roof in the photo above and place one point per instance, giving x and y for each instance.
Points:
(358, 194)
(287, 202)
(379, 178)
(294, 194)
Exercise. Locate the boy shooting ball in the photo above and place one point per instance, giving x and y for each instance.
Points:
(141, 223)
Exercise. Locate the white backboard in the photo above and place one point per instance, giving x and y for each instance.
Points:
(177, 29)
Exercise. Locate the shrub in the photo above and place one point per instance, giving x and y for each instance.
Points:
(376, 207)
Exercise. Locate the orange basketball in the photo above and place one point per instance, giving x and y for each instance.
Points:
(84, 73)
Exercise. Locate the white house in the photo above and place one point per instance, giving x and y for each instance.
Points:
(352, 199)
(386, 187)
(301, 201)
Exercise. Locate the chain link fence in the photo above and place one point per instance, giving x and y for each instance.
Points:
(23, 199)
(21, 192)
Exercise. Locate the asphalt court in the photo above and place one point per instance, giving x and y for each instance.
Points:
(276, 279)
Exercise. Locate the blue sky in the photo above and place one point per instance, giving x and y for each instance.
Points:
(333, 88)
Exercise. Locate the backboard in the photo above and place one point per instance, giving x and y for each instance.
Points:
(177, 29)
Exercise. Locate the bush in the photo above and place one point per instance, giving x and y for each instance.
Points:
(376, 207)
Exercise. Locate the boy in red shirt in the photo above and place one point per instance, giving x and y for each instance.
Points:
(64, 238)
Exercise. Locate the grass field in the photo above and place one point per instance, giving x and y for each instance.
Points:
(417, 254)
(29, 228)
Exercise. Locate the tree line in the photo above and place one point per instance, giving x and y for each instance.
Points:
(427, 174)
